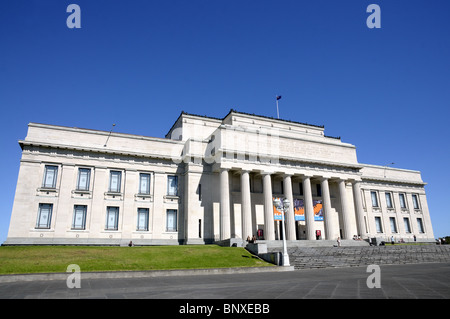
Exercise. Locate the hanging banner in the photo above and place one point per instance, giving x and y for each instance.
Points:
(277, 214)
(299, 210)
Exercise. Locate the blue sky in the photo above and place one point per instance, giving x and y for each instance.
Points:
(140, 63)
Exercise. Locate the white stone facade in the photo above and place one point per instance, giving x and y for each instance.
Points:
(210, 179)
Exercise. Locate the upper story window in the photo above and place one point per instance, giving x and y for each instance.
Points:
(172, 185)
(84, 177)
(415, 199)
(144, 183)
(402, 199)
(50, 176)
(115, 179)
(389, 203)
(374, 196)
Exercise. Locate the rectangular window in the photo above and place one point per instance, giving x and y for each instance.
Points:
(420, 225)
(44, 216)
(172, 185)
(115, 178)
(171, 221)
(50, 175)
(378, 225)
(319, 190)
(389, 200)
(402, 200)
(84, 177)
(142, 222)
(144, 183)
(363, 198)
(407, 225)
(393, 225)
(374, 197)
(79, 217)
(300, 185)
(112, 218)
(415, 199)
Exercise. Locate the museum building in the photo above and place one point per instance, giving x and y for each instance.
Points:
(210, 179)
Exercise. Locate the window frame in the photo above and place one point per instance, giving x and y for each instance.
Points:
(393, 223)
(47, 225)
(169, 187)
(83, 212)
(119, 181)
(175, 220)
(88, 179)
(415, 201)
(147, 191)
(420, 225)
(112, 210)
(55, 169)
(372, 193)
(146, 212)
(405, 201)
(389, 200)
(378, 225)
(407, 225)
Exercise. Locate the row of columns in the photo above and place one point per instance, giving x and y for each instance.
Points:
(225, 227)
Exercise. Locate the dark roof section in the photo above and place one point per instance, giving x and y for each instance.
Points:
(238, 112)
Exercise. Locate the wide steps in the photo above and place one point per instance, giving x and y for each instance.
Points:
(330, 257)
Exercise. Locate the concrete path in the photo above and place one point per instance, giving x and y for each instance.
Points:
(397, 281)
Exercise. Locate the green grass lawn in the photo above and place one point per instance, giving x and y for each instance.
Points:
(41, 259)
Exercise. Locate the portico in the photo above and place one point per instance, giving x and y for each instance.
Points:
(337, 219)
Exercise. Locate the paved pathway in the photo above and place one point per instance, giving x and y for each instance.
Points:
(397, 281)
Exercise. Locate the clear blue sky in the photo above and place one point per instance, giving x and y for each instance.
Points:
(140, 63)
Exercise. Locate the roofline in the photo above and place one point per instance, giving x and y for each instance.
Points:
(243, 113)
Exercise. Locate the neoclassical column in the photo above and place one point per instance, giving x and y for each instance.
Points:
(225, 230)
(327, 218)
(289, 216)
(359, 208)
(246, 209)
(345, 210)
(269, 231)
(309, 208)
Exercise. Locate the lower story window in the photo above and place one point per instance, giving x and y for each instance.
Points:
(420, 225)
(79, 217)
(142, 222)
(407, 226)
(171, 221)
(393, 225)
(44, 216)
(112, 218)
(378, 225)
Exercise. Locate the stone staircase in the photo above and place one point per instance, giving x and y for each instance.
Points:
(352, 256)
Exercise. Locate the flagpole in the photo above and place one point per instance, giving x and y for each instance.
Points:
(278, 113)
